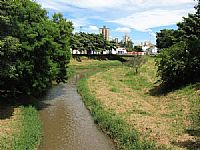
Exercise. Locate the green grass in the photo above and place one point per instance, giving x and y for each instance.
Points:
(27, 133)
(135, 100)
(124, 136)
(70, 72)
(114, 89)
(30, 134)
(92, 64)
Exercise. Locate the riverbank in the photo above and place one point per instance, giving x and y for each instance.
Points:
(20, 127)
(136, 112)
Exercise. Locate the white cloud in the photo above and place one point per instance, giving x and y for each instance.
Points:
(138, 14)
(123, 29)
(124, 5)
(97, 4)
(79, 22)
(87, 4)
(152, 18)
(55, 5)
(93, 28)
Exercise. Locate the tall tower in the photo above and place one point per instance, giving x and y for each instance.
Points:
(105, 32)
(126, 39)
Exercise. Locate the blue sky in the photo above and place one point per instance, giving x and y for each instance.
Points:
(140, 19)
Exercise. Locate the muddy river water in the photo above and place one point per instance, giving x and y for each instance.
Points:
(67, 124)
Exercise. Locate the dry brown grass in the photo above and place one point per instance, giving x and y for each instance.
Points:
(9, 126)
(163, 119)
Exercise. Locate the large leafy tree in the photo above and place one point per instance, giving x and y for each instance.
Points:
(165, 38)
(180, 63)
(34, 50)
(90, 42)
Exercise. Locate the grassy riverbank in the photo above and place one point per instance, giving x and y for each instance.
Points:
(85, 63)
(123, 135)
(131, 107)
(20, 128)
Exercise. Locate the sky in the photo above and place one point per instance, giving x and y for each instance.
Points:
(140, 19)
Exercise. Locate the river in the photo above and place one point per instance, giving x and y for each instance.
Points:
(67, 124)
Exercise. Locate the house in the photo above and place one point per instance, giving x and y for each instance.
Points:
(153, 50)
(119, 51)
(149, 48)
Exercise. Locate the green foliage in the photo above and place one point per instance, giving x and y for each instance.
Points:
(34, 50)
(91, 43)
(171, 64)
(125, 137)
(138, 48)
(165, 38)
(180, 63)
(129, 46)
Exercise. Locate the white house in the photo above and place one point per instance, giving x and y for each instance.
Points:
(149, 48)
(119, 51)
(152, 50)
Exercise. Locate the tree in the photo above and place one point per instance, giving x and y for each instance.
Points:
(34, 49)
(135, 62)
(138, 48)
(165, 38)
(90, 42)
(62, 52)
(180, 63)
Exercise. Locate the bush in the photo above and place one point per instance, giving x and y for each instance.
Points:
(176, 66)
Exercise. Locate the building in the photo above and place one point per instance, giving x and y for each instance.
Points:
(149, 48)
(119, 51)
(105, 32)
(126, 39)
(116, 40)
(153, 50)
